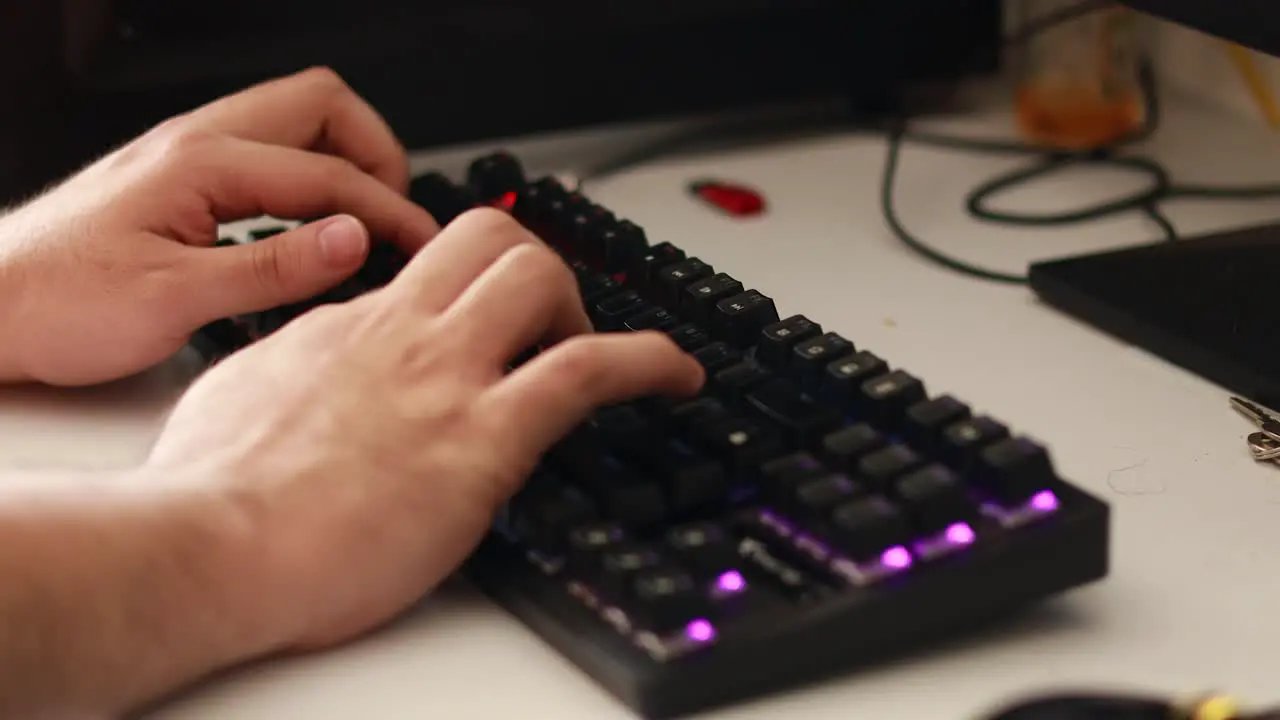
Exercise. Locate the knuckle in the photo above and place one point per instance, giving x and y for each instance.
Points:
(577, 362)
(325, 79)
(320, 318)
(182, 139)
(542, 266)
(270, 263)
(492, 223)
(339, 171)
(174, 141)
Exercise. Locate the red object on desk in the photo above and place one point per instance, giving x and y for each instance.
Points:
(732, 199)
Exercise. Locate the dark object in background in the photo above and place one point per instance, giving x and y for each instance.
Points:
(1248, 22)
(1099, 706)
(1200, 304)
(83, 75)
(1203, 304)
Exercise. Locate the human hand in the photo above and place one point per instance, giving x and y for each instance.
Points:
(112, 271)
(367, 445)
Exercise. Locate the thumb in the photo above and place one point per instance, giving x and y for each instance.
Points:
(288, 267)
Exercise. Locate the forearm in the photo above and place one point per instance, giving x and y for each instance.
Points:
(113, 593)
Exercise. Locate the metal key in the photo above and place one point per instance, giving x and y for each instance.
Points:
(1264, 445)
(1265, 419)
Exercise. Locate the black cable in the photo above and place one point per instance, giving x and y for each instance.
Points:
(1159, 189)
(1088, 707)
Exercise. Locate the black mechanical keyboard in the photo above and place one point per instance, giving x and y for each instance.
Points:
(814, 509)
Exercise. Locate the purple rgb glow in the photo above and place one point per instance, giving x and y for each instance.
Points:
(960, 534)
(897, 558)
(1045, 501)
(731, 582)
(700, 631)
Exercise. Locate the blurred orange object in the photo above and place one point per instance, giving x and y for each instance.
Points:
(1078, 85)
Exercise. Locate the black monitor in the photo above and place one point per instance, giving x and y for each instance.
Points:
(1201, 303)
(443, 72)
(1252, 23)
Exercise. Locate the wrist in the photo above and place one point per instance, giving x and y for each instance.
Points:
(220, 547)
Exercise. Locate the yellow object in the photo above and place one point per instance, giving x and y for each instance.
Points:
(1215, 707)
(1256, 82)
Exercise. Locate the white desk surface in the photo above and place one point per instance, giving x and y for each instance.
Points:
(1196, 522)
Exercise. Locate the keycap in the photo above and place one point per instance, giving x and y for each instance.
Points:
(585, 231)
(687, 417)
(587, 543)
(887, 463)
(736, 381)
(689, 337)
(534, 202)
(691, 479)
(802, 420)
(707, 545)
(664, 599)
(885, 399)
(809, 357)
(219, 339)
(544, 521)
(494, 175)
(267, 232)
(740, 318)
(383, 264)
(866, 527)
(611, 313)
(440, 197)
(925, 421)
(767, 564)
(962, 441)
(776, 341)
(620, 566)
(655, 318)
(842, 378)
(643, 268)
(934, 497)
(716, 356)
(780, 476)
(669, 282)
(742, 444)
(617, 424)
(621, 242)
(1014, 469)
(815, 497)
(597, 288)
(699, 298)
(618, 489)
(571, 222)
(844, 448)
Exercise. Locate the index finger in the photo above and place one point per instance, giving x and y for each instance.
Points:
(315, 110)
(544, 399)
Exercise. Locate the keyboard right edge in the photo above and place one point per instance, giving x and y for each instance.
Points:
(876, 624)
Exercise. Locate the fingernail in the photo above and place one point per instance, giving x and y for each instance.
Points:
(343, 240)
